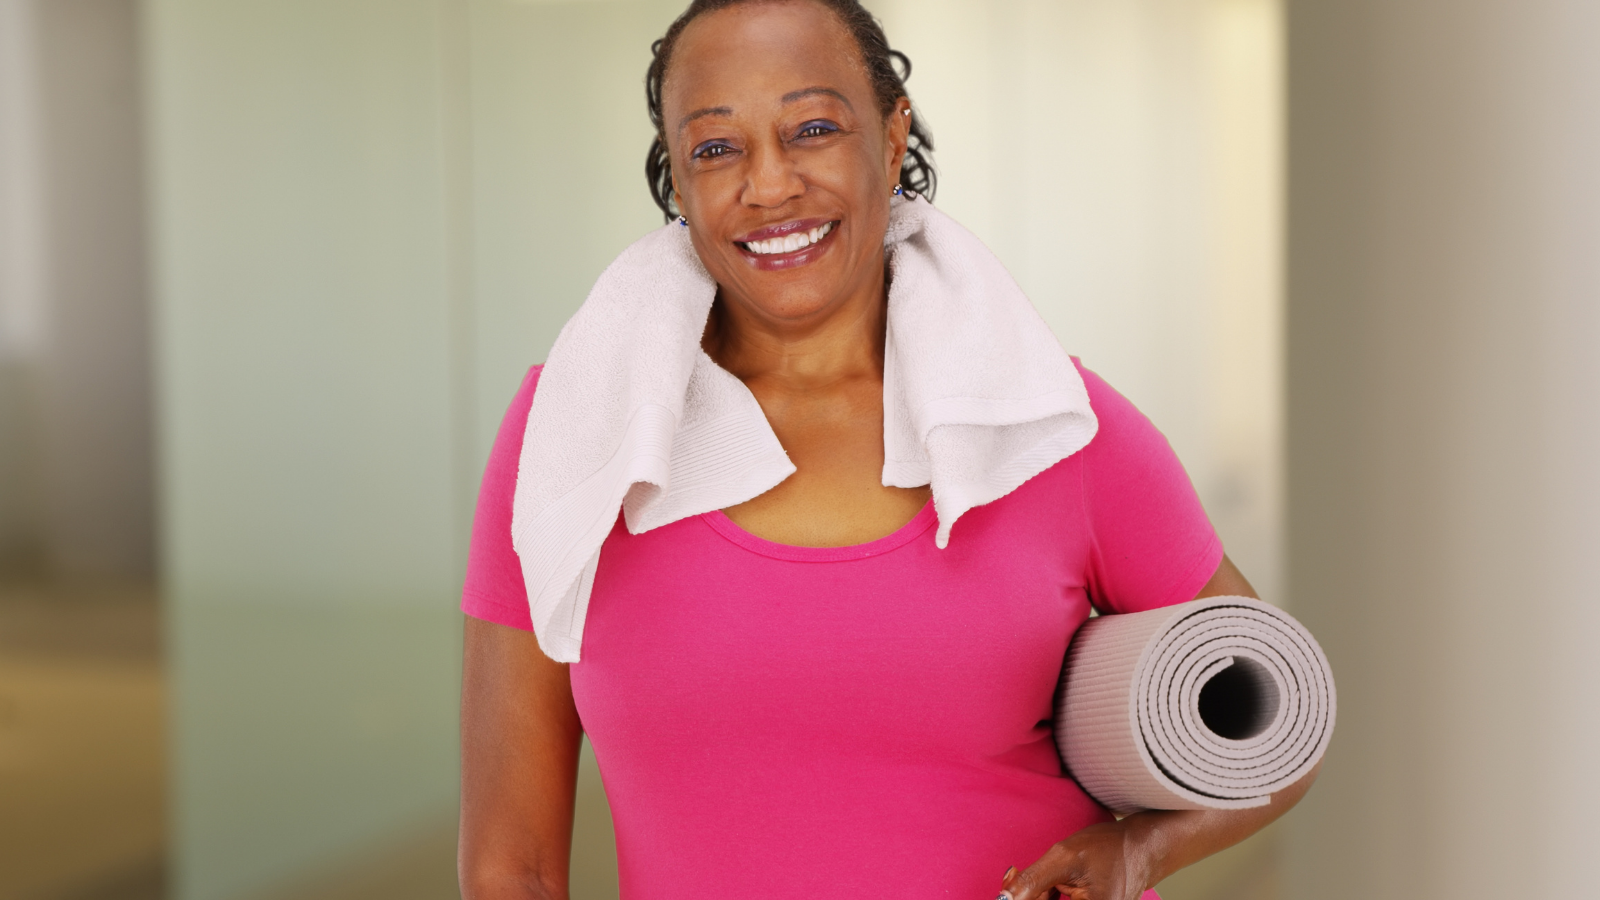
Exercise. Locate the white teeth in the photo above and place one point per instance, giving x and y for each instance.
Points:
(789, 243)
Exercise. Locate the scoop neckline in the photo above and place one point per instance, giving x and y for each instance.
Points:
(921, 522)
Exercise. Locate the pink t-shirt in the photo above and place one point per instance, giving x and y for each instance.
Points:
(870, 719)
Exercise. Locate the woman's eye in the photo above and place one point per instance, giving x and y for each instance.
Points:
(816, 129)
(711, 151)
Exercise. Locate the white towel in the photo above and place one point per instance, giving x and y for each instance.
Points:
(978, 397)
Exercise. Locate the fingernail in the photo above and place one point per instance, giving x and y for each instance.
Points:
(1007, 876)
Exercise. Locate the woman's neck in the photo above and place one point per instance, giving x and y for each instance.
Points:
(842, 343)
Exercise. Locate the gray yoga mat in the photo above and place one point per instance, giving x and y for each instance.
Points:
(1210, 704)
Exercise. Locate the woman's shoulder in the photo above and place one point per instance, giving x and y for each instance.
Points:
(1154, 544)
(508, 441)
(530, 382)
(1112, 410)
(1123, 434)
(493, 589)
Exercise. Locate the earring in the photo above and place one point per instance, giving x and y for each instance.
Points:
(898, 190)
(682, 221)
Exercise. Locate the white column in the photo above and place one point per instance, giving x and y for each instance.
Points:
(21, 238)
(1444, 435)
(21, 273)
(96, 462)
(76, 495)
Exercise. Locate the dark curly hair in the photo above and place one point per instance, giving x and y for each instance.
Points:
(888, 82)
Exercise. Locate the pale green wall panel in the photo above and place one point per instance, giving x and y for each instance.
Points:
(559, 141)
(304, 324)
(303, 314)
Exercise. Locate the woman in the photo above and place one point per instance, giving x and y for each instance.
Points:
(808, 693)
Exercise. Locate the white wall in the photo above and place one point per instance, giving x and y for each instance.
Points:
(1123, 158)
(1444, 271)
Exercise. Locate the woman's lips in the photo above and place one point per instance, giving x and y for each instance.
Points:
(782, 229)
(788, 245)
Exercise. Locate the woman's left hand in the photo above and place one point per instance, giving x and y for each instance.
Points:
(1101, 862)
(1120, 860)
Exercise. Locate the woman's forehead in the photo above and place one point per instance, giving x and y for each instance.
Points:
(761, 53)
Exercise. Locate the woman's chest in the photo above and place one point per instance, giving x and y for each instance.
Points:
(699, 631)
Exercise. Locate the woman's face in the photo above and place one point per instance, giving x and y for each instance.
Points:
(776, 139)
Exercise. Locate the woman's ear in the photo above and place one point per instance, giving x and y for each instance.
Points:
(898, 138)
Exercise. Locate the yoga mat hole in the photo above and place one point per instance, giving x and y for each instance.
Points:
(1240, 701)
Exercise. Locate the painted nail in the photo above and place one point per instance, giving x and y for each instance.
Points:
(1007, 876)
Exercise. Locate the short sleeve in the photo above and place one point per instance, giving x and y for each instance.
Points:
(494, 590)
(1152, 543)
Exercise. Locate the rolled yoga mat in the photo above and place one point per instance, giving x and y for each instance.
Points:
(1210, 704)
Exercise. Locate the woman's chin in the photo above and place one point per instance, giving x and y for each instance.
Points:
(797, 300)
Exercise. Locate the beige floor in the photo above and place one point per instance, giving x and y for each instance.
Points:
(81, 744)
(82, 776)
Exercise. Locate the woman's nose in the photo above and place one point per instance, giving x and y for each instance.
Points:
(773, 178)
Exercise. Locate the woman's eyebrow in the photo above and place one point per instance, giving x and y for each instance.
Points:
(702, 113)
(803, 93)
(790, 97)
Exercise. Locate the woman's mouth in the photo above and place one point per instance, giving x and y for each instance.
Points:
(787, 246)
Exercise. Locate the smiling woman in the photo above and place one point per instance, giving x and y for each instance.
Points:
(734, 486)
(777, 130)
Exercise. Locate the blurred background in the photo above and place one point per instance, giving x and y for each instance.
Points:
(270, 271)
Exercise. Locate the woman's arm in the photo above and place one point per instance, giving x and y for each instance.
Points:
(519, 767)
(1120, 860)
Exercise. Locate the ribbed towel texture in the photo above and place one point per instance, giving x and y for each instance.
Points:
(1210, 704)
(630, 413)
